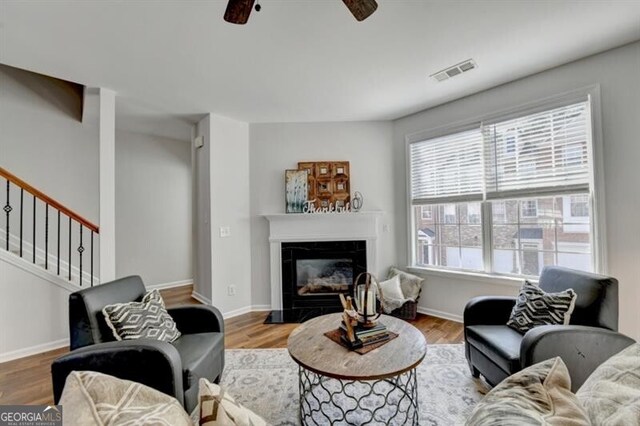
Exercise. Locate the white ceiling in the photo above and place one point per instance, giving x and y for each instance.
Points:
(304, 60)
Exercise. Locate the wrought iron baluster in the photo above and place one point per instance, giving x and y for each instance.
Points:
(33, 247)
(21, 211)
(58, 242)
(46, 236)
(7, 209)
(69, 265)
(80, 250)
(91, 258)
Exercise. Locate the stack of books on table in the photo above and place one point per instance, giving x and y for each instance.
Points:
(367, 336)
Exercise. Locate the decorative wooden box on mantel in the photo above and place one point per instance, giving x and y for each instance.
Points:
(328, 183)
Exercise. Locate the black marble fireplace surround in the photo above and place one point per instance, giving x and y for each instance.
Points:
(313, 274)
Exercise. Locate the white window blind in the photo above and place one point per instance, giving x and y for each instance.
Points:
(545, 152)
(447, 168)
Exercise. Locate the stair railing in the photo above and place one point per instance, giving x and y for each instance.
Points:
(59, 211)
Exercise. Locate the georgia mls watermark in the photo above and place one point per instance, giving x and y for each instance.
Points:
(30, 415)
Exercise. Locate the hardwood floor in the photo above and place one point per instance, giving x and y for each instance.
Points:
(28, 380)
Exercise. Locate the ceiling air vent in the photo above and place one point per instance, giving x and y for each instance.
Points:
(457, 69)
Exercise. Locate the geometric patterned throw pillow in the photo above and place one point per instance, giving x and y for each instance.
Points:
(147, 319)
(536, 307)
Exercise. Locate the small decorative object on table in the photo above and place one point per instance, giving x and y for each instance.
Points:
(360, 327)
(365, 296)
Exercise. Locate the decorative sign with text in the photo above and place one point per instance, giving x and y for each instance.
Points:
(310, 207)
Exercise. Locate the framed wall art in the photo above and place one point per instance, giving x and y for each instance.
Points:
(296, 190)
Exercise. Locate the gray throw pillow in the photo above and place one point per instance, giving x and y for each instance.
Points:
(410, 284)
(147, 319)
(536, 307)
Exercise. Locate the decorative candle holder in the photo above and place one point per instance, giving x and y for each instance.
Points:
(365, 297)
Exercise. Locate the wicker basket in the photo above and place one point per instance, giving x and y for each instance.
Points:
(408, 311)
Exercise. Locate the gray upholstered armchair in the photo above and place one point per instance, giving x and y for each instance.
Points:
(497, 351)
(173, 368)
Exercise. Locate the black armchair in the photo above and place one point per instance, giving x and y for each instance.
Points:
(497, 351)
(173, 368)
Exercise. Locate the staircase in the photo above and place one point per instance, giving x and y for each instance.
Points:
(40, 230)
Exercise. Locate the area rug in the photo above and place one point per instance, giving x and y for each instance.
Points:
(266, 381)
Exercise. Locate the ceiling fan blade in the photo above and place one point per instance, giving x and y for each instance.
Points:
(238, 11)
(361, 9)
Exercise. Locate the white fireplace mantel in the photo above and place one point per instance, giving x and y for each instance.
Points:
(319, 227)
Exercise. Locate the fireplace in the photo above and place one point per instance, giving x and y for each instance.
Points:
(315, 273)
(326, 251)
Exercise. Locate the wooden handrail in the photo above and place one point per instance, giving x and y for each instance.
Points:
(48, 200)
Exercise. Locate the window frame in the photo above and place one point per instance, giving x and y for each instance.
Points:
(597, 229)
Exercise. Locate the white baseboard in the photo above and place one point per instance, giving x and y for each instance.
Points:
(246, 310)
(34, 350)
(261, 308)
(440, 314)
(236, 312)
(173, 284)
(200, 298)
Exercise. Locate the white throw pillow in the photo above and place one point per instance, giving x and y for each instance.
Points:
(391, 294)
(217, 408)
(91, 398)
(611, 394)
(538, 395)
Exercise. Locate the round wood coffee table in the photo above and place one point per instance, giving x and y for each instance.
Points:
(339, 386)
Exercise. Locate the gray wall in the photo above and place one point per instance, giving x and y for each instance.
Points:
(43, 141)
(222, 200)
(617, 72)
(202, 211)
(277, 147)
(153, 207)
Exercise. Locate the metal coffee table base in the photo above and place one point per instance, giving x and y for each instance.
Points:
(328, 401)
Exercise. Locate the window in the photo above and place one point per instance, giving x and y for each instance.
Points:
(523, 245)
(426, 213)
(576, 214)
(499, 212)
(451, 240)
(574, 155)
(529, 208)
(449, 214)
(529, 174)
(579, 205)
(510, 143)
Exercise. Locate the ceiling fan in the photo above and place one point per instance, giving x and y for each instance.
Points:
(238, 11)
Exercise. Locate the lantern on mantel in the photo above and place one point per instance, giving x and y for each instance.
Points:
(365, 296)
